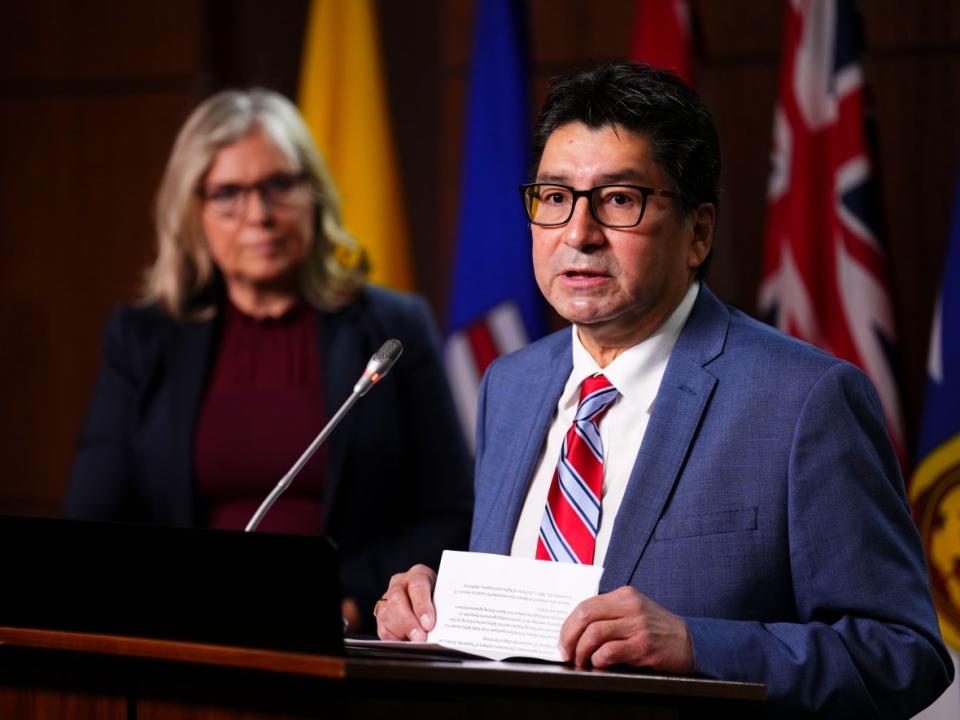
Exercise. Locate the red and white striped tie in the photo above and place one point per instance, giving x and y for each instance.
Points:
(571, 519)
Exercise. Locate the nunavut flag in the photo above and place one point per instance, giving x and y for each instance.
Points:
(825, 277)
(935, 487)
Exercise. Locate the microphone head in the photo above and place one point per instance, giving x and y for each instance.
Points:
(388, 354)
(379, 365)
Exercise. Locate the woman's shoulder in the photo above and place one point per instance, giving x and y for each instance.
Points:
(393, 307)
(391, 313)
(381, 299)
(142, 325)
(139, 318)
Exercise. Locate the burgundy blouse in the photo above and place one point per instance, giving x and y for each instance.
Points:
(263, 406)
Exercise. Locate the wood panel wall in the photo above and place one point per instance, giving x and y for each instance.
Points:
(91, 94)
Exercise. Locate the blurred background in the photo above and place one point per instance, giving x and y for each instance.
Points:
(93, 92)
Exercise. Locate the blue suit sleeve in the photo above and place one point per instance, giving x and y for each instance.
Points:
(866, 642)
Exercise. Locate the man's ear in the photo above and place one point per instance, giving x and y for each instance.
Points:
(703, 220)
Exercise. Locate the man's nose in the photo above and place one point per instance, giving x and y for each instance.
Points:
(582, 229)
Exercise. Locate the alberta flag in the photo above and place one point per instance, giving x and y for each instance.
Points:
(495, 305)
(935, 487)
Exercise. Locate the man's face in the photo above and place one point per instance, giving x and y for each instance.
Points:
(617, 285)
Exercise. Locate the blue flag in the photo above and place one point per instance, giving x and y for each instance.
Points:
(495, 306)
(935, 487)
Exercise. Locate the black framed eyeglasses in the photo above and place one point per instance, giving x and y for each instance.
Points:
(613, 206)
(279, 190)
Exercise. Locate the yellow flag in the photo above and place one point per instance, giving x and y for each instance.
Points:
(343, 100)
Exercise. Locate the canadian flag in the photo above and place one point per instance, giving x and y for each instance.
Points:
(661, 36)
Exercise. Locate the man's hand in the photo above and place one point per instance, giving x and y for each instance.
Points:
(626, 627)
(405, 612)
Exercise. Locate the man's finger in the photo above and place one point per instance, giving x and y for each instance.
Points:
(387, 635)
(421, 598)
(612, 653)
(406, 602)
(396, 616)
(576, 622)
(593, 637)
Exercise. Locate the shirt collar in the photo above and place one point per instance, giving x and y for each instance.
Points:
(637, 371)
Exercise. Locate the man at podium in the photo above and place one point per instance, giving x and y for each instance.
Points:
(737, 485)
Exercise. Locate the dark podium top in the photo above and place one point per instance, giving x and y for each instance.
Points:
(83, 674)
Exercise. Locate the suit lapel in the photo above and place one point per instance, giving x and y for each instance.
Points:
(677, 413)
(342, 357)
(189, 358)
(532, 397)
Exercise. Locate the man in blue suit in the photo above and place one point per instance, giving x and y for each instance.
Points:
(752, 520)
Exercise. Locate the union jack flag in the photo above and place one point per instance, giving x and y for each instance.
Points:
(825, 278)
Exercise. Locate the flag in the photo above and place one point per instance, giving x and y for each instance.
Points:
(342, 97)
(495, 306)
(661, 36)
(824, 276)
(935, 486)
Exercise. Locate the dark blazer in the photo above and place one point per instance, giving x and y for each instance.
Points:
(398, 472)
(765, 506)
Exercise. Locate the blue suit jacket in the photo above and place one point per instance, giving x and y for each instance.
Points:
(765, 506)
(397, 468)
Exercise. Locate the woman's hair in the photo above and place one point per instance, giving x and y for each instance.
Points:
(183, 273)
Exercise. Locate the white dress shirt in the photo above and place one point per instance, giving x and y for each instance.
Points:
(636, 373)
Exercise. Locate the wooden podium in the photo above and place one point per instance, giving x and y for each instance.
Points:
(104, 621)
(54, 674)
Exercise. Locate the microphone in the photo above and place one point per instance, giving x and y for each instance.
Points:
(377, 368)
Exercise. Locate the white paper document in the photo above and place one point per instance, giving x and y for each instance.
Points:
(500, 607)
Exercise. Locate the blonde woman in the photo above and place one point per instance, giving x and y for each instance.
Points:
(255, 324)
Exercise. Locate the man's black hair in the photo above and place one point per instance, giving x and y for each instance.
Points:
(651, 102)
